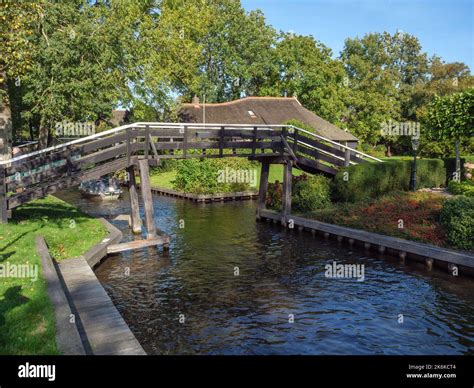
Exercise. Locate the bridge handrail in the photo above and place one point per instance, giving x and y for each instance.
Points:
(163, 125)
(357, 152)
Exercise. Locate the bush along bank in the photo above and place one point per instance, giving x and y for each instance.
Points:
(212, 176)
(461, 188)
(378, 203)
(372, 180)
(309, 192)
(457, 218)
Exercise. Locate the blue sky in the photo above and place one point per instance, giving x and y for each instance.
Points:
(444, 27)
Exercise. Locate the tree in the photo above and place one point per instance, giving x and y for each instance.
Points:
(452, 117)
(16, 28)
(77, 64)
(305, 69)
(373, 94)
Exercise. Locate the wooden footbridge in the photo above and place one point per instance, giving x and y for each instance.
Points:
(139, 145)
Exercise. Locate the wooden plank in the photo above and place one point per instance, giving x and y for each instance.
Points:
(216, 145)
(67, 335)
(320, 156)
(103, 327)
(221, 141)
(138, 244)
(136, 222)
(31, 163)
(129, 151)
(329, 148)
(52, 187)
(295, 142)
(108, 153)
(315, 166)
(147, 199)
(153, 147)
(347, 158)
(147, 141)
(95, 254)
(185, 141)
(59, 172)
(106, 141)
(397, 244)
(288, 148)
(254, 141)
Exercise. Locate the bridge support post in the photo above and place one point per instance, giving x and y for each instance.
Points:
(347, 157)
(147, 198)
(286, 197)
(3, 197)
(262, 191)
(135, 221)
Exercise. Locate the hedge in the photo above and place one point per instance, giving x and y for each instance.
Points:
(202, 176)
(371, 180)
(457, 218)
(461, 188)
(308, 193)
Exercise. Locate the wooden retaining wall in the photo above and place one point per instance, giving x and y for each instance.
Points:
(97, 328)
(206, 198)
(68, 339)
(432, 256)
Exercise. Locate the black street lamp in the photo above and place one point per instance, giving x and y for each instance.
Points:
(414, 144)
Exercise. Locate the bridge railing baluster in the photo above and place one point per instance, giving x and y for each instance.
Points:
(147, 141)
(185, 141)
(221, 141)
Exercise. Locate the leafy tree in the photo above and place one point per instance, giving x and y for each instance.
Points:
(451, 117)
(16, 28)
(78, 60)
(305, 69)
(373, 79)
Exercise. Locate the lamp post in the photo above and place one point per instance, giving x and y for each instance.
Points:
(414, 144)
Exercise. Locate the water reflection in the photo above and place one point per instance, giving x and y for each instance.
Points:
(280, 274)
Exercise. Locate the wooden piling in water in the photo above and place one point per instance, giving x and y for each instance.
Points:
(136, 223)
(262, 193)
(286, 198)
(147, 198)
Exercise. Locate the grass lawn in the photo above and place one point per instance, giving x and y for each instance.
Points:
(27, 325)
(163, 179)
(419, 212)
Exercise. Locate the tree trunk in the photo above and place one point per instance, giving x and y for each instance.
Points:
(388, 153)
(458, 163)
(43, 135)
(5, 120)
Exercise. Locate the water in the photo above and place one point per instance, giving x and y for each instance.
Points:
(281, 274)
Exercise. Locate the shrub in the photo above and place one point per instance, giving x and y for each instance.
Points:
(464, 188)
(371, 180)
(311, 193)
(274, 195)
(308, 193)
(457, 218)
(202, 176)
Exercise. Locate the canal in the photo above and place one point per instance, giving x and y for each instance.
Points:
(230, 285)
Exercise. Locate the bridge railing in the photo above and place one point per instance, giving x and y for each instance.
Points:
(46, 171)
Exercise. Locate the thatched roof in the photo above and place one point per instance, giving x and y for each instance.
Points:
(266, 110)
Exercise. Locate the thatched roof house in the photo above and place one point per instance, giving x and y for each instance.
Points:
(263, 110)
